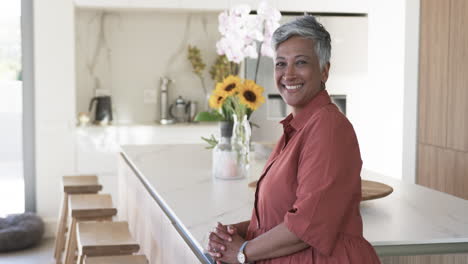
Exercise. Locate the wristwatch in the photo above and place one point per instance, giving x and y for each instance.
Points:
(241, 256)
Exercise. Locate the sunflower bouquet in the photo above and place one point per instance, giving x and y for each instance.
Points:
(233, 96)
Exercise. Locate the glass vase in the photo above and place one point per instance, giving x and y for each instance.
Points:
(230, 156)
(241, 134)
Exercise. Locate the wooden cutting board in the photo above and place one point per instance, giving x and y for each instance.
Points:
(370, 189)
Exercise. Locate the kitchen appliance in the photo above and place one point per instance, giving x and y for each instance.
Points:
(180, 110)
(103, 114)
(165, 119)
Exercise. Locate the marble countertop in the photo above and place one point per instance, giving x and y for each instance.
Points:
(144, 134)
(412, 220)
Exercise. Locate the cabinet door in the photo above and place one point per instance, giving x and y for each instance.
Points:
(333, 6)
(433, 67)
(101, 3)
(457, 137)
(208, 5)
(153, 4)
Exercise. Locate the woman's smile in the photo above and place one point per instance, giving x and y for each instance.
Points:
(297, 72)
(293, 87)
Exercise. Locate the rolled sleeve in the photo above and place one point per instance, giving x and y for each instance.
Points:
(329, 183)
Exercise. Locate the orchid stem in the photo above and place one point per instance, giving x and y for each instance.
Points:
(259, 56)
(258, 62)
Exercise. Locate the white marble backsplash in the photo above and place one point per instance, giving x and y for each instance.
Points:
(126, 53)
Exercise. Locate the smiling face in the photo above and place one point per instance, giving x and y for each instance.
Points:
(297, 72)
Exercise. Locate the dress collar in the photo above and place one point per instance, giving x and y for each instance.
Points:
(320, 99)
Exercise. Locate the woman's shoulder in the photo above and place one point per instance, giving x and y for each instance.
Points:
(329, 116)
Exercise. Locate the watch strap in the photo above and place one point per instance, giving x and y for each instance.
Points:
(241, 249)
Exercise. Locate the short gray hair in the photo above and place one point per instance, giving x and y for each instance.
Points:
(307, 27)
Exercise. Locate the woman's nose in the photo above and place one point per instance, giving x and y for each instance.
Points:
(290, 73)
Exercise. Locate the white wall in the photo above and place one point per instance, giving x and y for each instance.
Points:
(382, 100)
(410, 119)
(55, 101)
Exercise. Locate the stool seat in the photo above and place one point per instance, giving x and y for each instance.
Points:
(132, 259)
(81, 184)
(91, 205)
(105, 239)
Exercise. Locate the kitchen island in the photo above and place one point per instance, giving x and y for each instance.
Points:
(167, 194)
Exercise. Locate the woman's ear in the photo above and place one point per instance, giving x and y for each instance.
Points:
(326, 69)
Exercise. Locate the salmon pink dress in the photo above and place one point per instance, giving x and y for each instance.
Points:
(311, 183)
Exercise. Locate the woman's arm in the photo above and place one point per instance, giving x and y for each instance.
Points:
(225, 243)
(242, 228)
(277, 242)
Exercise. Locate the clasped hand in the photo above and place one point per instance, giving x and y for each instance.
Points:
(224, 243)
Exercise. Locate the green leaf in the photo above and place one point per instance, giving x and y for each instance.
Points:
(212, 116)
(212, 142)
(254, 125)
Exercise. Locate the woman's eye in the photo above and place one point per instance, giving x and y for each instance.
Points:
(301, 62)
(280, 64)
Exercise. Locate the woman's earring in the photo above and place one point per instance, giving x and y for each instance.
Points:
(322, 85)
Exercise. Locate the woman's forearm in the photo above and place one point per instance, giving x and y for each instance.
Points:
(277, 242)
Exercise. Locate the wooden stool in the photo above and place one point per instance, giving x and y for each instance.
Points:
(104, 239)
(86, 207)
(79, 184)
(132, 259)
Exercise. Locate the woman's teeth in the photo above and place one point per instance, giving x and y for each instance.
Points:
(293, 87)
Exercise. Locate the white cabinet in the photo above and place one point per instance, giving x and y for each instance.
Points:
(206, 5)
(330, 6)
(252, 3)
(156, 4)
(101, 4)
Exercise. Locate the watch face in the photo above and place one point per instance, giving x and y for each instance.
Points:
(241, 257)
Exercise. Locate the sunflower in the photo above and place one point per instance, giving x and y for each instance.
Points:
(229, 86)
(250, 95)
(216, 100)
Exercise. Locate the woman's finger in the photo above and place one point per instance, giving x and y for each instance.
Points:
(216, 246)
(232, 229)
(223, 234)
(221, 226)
(215, 255)
(214, 237)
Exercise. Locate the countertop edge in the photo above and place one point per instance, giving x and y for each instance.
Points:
(428, 248)
(181, 229)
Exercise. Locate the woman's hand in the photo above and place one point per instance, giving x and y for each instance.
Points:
(224, 243)
(217, 239)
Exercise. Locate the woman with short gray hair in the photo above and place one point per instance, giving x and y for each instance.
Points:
(307, 200)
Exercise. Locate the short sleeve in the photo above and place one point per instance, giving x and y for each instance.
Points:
(329, 184)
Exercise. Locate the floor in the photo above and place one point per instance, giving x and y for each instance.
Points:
(41, 254)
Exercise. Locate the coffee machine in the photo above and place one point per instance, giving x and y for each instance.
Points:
(103, 113)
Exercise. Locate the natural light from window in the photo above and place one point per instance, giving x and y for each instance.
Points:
(11, 161)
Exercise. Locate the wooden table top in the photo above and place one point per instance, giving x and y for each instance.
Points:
(370, 189)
